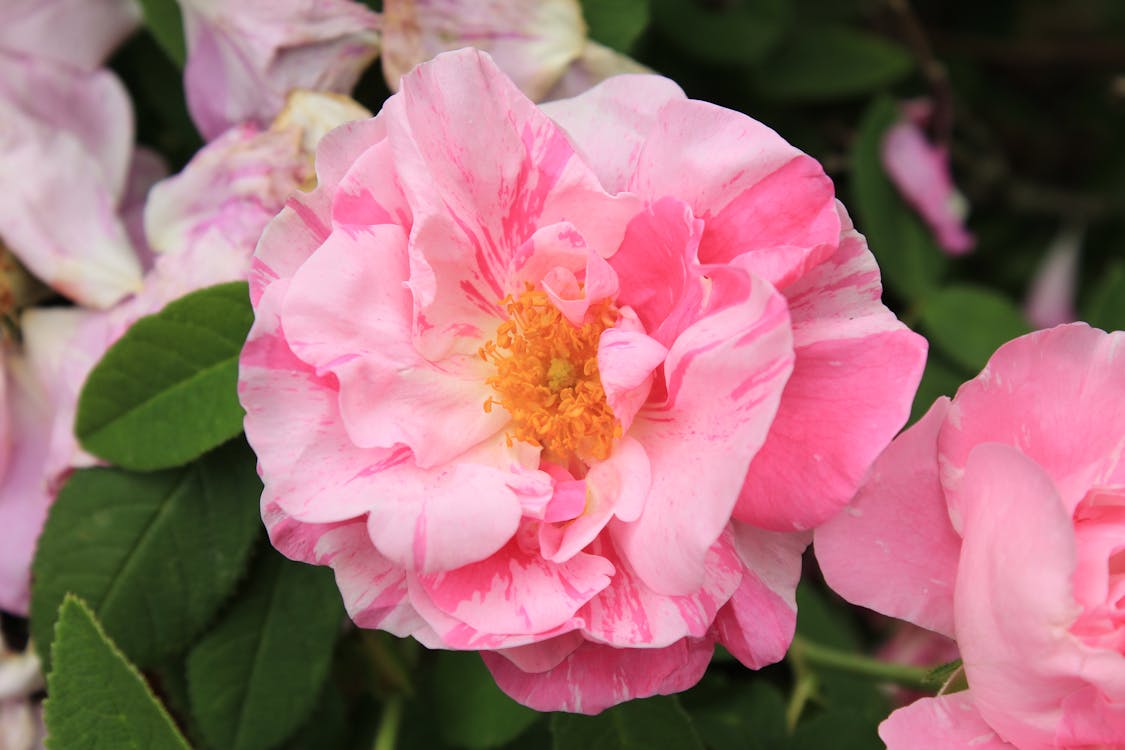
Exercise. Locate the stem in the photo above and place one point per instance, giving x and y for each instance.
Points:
(803, 690)
(386, 659)
(823, 656)
(389, 724)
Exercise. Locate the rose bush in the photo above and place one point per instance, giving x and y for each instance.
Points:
(999, 519)
(567, 385)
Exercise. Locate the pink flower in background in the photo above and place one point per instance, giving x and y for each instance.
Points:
(243, 58)
(999, 519)
(920, 170)
(1050, 298)
(41, 381)
(77, 33)
(67, 146)
(541, 46)
(533, 43)
(203, 224)
(596, 63)
(567, 385)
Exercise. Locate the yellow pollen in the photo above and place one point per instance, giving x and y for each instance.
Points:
(547, 378)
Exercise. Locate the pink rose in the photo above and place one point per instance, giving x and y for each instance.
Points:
(921, 172)
(999, 519)
(243, 58)
(567, 385)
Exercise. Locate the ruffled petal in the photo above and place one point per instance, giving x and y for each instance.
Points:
(1074, 376)
(518, 591)
(609, 124)
(854, 380)
(594, 677)
(353, 318)
(525, 175)
(758, 622)
(723, 379)
(629, 613)
(706, 155)
(782, 225)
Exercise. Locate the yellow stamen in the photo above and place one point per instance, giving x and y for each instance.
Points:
(547, 378)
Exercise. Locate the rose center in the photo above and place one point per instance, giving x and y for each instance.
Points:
(547, 378)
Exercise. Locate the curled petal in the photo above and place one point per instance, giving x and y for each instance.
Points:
(594, 677)
(758, 622)
(921, 172)
(722, 379)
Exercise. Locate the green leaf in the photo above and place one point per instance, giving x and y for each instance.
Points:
(650, 724)
(838, 729)
(98, 700)
(743, 717)
(166, 392)
(473, 712)
(738, 32)
(616, 24)
(154, 554)
(968, 323)
(833, 62)
(1106, 306)
(911, 262)
(256, 676)
(162, 17)
(327, 724)
(828, 622)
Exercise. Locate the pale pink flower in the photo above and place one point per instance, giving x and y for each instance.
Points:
(66, 145)
(243, 58)
(999, 519)
(79, 33)
(21, 717)
(41, 382)
(596, 63)
(203, 225)
(920, 170)
(567, 385)
(1050, 298)
(533, 43)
